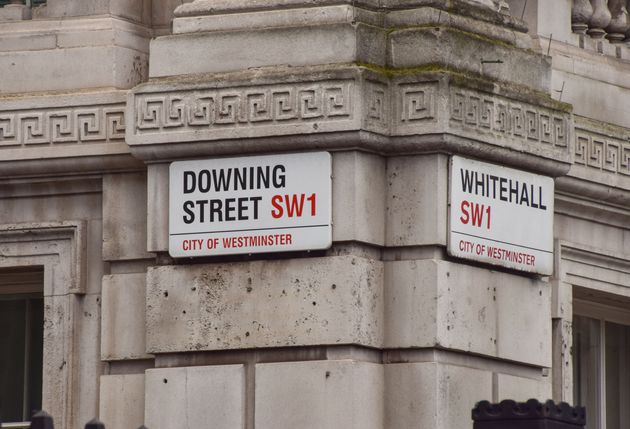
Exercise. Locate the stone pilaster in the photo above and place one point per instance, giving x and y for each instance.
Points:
(391, 89)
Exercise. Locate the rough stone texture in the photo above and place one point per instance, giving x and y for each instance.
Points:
(206, 396)
(133, 10)
(123, 319)
(122, 401)
(81, 47)
(15, 12)
(196, 53)
(292, 302)
(521, 389)
(330, 107)
(417, 200)
(469, 309)
(157, 207)
(433, 395)
(125, 216)
(315, 395)
(358, 197)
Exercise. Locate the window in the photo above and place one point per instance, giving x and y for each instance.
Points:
(21, 344)
(601, 364)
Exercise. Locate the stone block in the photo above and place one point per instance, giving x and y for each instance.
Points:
(78, 48)
(15, 12)
(240, 50)
(122, 401)
(359, 197)
(432, 303)
(124, 216)
(521, 389)
(319, 394)
(123, 320)
(290, 302)
(518, 66)
(157, 207)
(433, 395)
(417, 197)
(196, 397)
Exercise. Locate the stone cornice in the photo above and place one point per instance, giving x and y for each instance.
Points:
(78, 132)
(346, 107)
(472, 8)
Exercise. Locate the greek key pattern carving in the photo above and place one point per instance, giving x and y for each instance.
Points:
(483, 112)
(602, 152)
(377, 106)
(72, 125)
(234, 107)
(416, 102)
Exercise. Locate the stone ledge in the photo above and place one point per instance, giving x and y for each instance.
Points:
(344, 107)
(60, 133)
(78, 53)
(601, 153)
(474, 8)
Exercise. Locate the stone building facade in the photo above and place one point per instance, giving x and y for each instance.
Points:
(384, 329)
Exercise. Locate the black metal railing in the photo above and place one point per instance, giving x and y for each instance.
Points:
(528, 415)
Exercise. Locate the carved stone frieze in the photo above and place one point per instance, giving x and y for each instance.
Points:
(602, 152)
(212, 112)
(334, 109)
(499, 116)
(377, 106)
(68, 125)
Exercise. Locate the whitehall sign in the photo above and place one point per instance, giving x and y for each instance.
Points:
(501, 216)
(254, 204)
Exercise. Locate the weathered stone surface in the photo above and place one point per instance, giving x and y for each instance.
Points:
(410, 112)
(196, 397)
(358, 197)
(123, 321)
(125, 216)
(292, 302)
(197, 53)
(122, 401)
(469, 309)
(433, 395)
(521, 389)
(15, 12)
(320, 394)
(157, 207)
(417, 194)
(81, 47)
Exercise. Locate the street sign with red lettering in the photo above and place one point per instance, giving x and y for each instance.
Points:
(501, 216)
(254, 204)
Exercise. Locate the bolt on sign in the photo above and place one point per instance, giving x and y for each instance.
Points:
(501, 216)
(254, 204)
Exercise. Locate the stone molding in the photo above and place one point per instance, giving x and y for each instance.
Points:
(232, 112)
(602, 149)
(71, 125)
(602, 152)
(166, 115)
(63, 133)
(60, 248)
(483, 113)
(70, 233)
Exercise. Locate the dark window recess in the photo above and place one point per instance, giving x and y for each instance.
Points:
(21, 353)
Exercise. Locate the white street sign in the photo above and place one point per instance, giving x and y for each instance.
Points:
(254, 204)
(501, 216)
